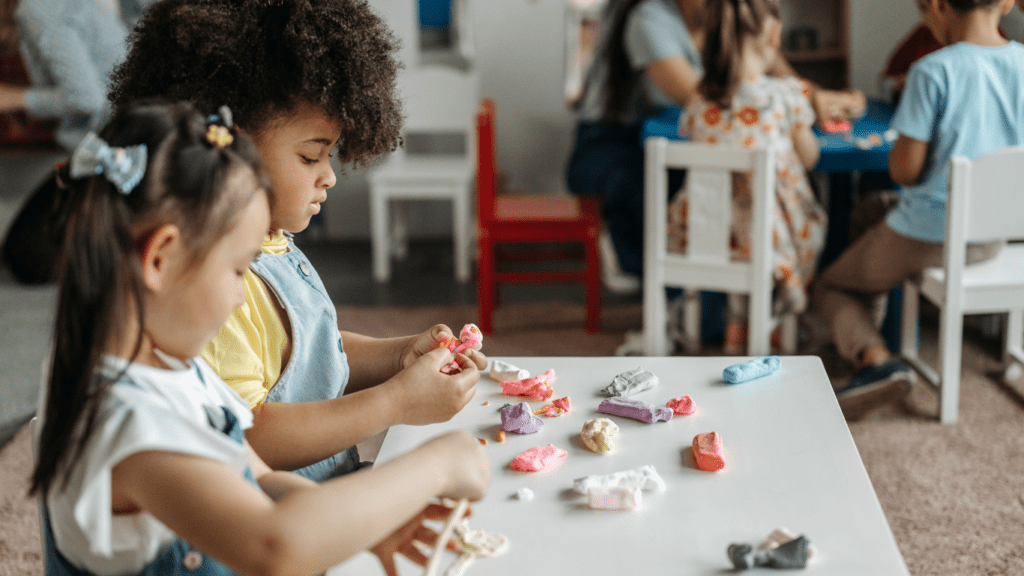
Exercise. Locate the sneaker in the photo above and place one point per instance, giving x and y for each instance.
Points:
(873, 386)
(613, 278)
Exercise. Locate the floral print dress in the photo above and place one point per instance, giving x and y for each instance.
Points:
(763, 114)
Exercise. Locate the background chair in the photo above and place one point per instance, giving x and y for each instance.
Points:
(706, 264)
(439, 101)
(530, 219)
(980, 191)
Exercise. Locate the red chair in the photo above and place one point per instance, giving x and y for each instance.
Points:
(530, 219)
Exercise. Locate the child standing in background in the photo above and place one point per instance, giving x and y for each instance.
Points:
(738, 105)
(966, 99)
(303, 78)
(140, 438)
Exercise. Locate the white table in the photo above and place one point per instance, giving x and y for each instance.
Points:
(790, 461)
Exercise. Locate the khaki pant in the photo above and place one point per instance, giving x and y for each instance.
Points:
(850, 295)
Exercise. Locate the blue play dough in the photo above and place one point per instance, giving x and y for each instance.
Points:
(757, 368)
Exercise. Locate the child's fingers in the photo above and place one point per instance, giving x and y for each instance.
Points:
(438, 357)
(478, 358)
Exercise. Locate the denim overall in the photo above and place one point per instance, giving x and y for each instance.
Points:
(318, 368)
(180, 558)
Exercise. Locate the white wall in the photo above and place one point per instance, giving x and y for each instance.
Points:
(520, 54)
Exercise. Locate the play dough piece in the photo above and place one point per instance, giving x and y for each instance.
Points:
(780, 536)
(539, 459)
(837, 126)
(682, 406)
(535, 388)
(792, 554)
(524, 494)
(644, 477)
(520, 420)
(635, 409)
(614, 498)
(629, 383)
(475, 544)
(756, 368)
(558, 407)
(890, 135)
(707, 451)
(469, 338)
(505, 372)
(599, 435)
(501, 435)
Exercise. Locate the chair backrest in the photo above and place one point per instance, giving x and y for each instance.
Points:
(709, 188)
(486, 161)
(440, 100)
(983, 195)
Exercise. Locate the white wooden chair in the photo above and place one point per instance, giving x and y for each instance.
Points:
(439, 100)
(706, 265)
(984, 195)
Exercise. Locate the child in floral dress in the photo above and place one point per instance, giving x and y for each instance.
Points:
(739, 106)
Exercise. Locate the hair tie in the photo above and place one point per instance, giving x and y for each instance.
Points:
(218, 132)
(122, 167)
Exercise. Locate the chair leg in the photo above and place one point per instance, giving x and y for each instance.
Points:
(1013, 353)
(692, 308)
(593, 283)
(379, 233)
(951, 324)
(654, 313)
(485, 287)
(460, 235)
(399, 239)
(909, 321)
(790, 333)
(759, 325)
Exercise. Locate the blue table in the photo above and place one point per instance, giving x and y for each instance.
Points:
(842, 160)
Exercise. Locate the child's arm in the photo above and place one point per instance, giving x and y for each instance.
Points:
(311, 528)
(907, 159)
(289, 436)
(806, 145)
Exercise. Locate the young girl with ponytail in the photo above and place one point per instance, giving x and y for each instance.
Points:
(739, 105)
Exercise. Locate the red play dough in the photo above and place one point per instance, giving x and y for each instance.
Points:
(707, 451)
(539, 458)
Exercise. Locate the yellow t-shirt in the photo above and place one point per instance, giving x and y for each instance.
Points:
(248, 350)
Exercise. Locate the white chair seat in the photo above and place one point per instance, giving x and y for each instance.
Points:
(995, 285)
(421, 170)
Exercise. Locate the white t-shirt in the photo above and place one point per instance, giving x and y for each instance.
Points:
(147, 409)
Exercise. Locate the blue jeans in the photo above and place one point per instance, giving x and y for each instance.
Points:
(608, 162)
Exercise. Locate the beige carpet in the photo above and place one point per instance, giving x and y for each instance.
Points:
(954, 495)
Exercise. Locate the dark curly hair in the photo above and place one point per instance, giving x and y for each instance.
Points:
(263, 58)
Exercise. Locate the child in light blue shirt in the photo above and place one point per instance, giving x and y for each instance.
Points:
(965, 99)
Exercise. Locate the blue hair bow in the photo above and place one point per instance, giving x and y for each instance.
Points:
(122, 167)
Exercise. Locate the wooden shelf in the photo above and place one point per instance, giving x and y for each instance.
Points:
(817, 55)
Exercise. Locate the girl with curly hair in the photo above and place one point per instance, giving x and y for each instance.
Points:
(306, 79)
(142, 464)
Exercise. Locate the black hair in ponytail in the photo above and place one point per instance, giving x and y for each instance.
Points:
(99, 272)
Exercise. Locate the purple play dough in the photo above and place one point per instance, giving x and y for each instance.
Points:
(636, 409)
(520, 419)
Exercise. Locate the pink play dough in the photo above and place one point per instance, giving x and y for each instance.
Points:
(535, 388)
(682, 406)
(539, 459)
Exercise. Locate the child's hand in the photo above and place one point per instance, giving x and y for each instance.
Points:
(425, 395)
(400, 541)
(433, 338)
(463, 463)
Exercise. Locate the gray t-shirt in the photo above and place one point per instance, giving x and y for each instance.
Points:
(655, 30)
